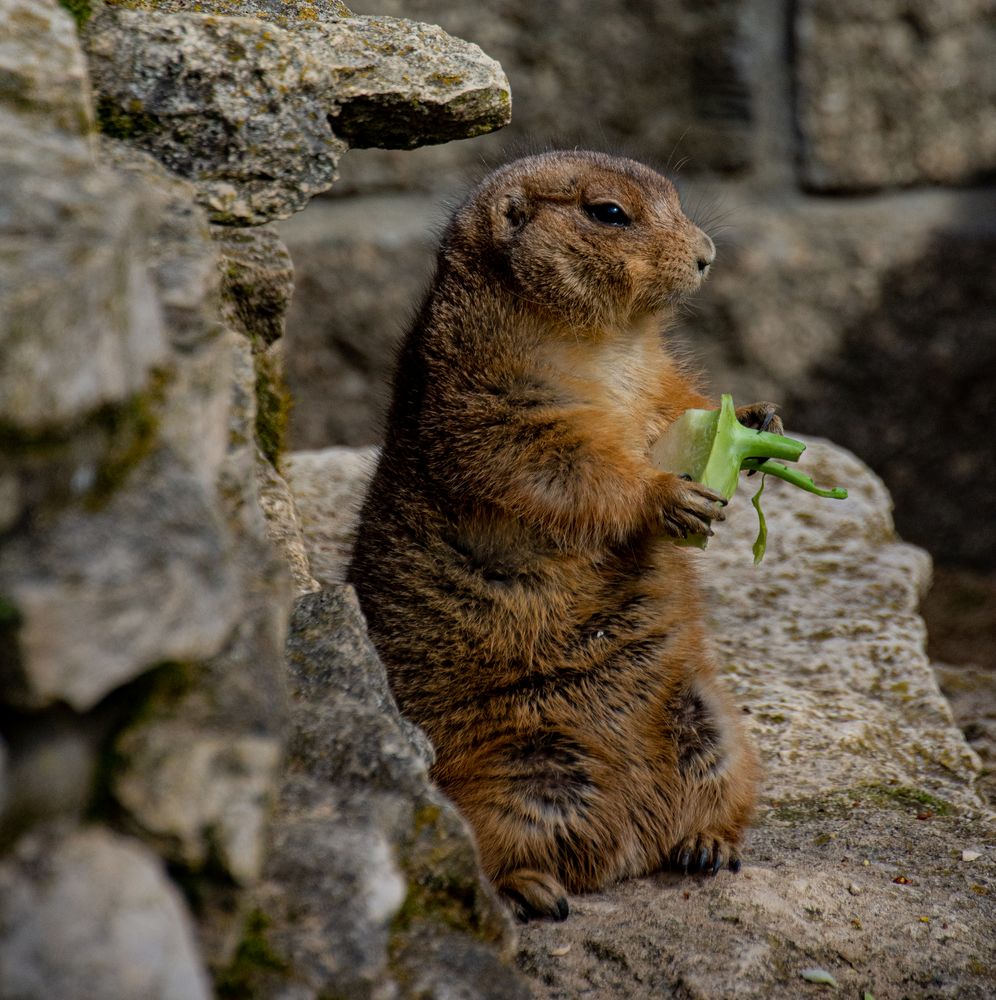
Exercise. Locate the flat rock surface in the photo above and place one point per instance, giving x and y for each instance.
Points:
(872, 856)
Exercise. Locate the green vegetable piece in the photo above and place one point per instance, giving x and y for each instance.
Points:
(795, 477)
(820, 976)
(760, 543)
(712, 447)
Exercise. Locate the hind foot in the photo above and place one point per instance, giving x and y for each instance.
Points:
(532, 894)
(703, 854)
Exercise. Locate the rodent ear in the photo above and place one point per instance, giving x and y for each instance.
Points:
(512, 210)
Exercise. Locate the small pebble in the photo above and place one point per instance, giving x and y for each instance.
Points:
(970, 855)
(560, 951)
(854, 889)
(820, 976)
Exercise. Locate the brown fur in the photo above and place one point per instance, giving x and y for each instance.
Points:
(513, 558)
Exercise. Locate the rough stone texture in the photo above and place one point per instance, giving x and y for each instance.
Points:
(42, 70)
(361, 266)
(971, 691)
(113, 580)
(895, 92)
(373, 886)
(818, 890)
(663, 81)
(824, 643)
(90, 915)
(285, 13)
(866, 779)
(284, 526)
(324, 487)
(103, 595)
(258, 115)
(72, 241)
(258, 279)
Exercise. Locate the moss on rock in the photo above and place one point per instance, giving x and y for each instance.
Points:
(273, 404)
(255, 961)
(120, 123)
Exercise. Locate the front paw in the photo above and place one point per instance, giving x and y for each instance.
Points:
(762, 416)
(689, 508)
(704, 855)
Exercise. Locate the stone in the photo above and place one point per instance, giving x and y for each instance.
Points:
(361, 266)
(258, 279)
(184, 263)
(197, 772)
(895, 93)
(971, 690)
(258, 115)
(284, 526)
(207, 793)
(866, 779)
(750, 935)
(372, 877)
(73, 256)
(284, 13)
(49, 768)
(666, 83)
(824, 644)
(324, 486)
(91, 914)
(187, 271)
(104, 594)
(42, 69)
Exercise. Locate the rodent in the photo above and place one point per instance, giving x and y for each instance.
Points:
(514, 557)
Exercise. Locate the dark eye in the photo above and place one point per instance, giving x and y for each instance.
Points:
(608, 213)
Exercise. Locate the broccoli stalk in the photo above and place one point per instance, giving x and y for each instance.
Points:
(712, 447)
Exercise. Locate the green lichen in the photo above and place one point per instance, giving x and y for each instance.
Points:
(132, 431)
(273, 403)
(444, 886)
(82, 10)
(255, 961)
(836, 805)
(902, 797)
(121, 434)
(121, 123)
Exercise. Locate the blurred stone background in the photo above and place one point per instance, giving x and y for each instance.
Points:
(841, 154)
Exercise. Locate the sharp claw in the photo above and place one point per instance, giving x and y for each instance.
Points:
(703, 860)
(562, 909)
(734, 864)
(718, 863)
(684, 860)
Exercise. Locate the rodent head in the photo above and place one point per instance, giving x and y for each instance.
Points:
(597, 240)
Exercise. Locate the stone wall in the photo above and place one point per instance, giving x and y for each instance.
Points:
(181, 799)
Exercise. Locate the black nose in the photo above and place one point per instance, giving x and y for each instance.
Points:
(706, 254)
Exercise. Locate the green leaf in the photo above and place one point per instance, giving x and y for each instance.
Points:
(761, 542)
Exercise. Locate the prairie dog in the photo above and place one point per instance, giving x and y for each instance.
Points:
(514, 556)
